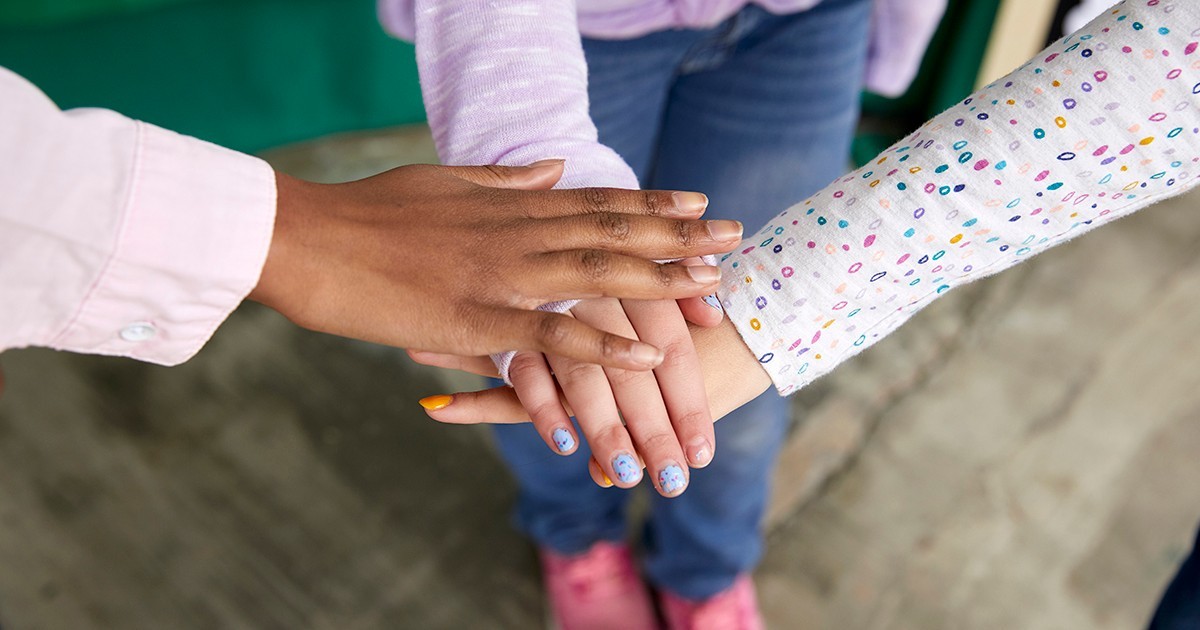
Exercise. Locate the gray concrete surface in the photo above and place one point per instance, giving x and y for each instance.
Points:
(1022, 455)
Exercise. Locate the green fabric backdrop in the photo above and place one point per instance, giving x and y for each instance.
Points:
(248, 74)
(253, 74)
(32, 12)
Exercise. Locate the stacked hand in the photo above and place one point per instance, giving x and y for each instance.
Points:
(456, 259)
(718, 366)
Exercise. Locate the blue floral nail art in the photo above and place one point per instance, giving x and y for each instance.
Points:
(627, 468)
(563, 440)
(712, 301)
(671, 480)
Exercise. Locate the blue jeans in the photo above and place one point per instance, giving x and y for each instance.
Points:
(758, 113)
(1180, 605)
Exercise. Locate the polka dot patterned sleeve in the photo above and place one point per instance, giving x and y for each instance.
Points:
(1101, 124)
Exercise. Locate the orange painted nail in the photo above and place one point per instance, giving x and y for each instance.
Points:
(433, 403)
(606, 482)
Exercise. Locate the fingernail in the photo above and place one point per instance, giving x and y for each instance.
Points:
(671, 480)
(433, 403)
(646, 355)
(550, 162)
(714, 302)
(690, 201)
(594, 466)
(626, 468)
(704, 274)
(725, 230)
(699, 452)
(563, 440)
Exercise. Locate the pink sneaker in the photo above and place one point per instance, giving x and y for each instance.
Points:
(599, 589)
(735, 608)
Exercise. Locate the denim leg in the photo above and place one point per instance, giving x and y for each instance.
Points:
(559, 506)
(773, 122)
(628, 85)
(1180, 605)
(768, 124)
(698, 543)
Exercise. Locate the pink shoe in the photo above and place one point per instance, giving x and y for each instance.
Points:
(599, 589)
(735, 608)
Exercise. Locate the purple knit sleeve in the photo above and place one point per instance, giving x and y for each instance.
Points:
(506, 83)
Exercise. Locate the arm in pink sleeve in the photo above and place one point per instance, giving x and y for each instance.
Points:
(118, 237)
(506, 83)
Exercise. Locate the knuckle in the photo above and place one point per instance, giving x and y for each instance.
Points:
(655, 203)
(577, 371)
(595, 199)
(692, 418)
(612, 434)
(494, 174)
(664, 275)
(545, 411)
(685, 233)
(677, 353)
(623, 378)
(595, 265)
(614, 226)
(658, 441)
(552, 331)
(524, 364)
(612, 347)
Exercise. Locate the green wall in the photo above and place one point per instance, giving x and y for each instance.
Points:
(248, 74)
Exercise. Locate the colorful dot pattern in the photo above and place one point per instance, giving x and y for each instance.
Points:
(1101, 124)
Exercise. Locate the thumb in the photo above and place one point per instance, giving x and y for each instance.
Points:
(541, 175)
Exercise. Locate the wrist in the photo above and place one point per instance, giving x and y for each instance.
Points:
(732, 374)
(275, 282)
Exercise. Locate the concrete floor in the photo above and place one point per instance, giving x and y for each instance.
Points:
(1022, 455)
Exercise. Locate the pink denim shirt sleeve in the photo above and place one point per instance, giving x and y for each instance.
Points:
(118, 237)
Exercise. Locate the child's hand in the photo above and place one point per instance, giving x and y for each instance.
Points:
(732, 377)
(667, 422)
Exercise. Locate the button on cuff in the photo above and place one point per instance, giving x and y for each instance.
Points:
(138, 331)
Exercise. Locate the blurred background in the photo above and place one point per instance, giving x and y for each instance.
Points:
(1021, 455)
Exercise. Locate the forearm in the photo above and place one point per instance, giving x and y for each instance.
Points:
(1100, 125)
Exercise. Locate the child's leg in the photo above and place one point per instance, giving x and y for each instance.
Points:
(764, 118)
(698, 543)
(559, 505)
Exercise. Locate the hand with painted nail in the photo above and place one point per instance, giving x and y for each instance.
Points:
(666, 427)
(457, 259)
(732, 377)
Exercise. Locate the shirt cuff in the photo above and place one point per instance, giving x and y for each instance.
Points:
(195, 236)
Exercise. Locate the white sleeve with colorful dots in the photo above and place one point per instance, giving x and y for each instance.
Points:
(1101, 124)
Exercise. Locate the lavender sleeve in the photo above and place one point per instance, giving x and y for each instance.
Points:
(506, 83)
